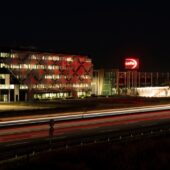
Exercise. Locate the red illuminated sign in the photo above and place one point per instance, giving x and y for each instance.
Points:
(131, 63)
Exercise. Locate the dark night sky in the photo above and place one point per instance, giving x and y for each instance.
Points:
(106, 32)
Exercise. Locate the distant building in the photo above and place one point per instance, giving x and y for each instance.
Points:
(104, 81)
(113, 82)
(28, 75)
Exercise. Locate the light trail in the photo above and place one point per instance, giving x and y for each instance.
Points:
(73, 127)
(84, 115)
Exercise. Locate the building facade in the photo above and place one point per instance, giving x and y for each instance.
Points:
(27, 75)
(105, 81)
(114, 82)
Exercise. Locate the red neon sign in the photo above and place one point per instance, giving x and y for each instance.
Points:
(131, 63)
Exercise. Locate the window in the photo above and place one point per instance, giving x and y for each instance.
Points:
(4, 54)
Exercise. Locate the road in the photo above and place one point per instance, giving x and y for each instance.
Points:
(85, 124)
(81, 114)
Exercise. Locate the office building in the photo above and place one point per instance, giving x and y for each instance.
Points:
(28, 75)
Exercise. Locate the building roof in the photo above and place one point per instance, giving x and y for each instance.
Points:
(33, 49)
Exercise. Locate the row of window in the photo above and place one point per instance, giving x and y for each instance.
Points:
(60, 85)
(63, 76)
(4, 55)
(53, 58)
(52, 76)
(34, 66)
(6, 86)
(80, 85)
(40, 56)
(37, 57)
(29, 66)
(56, 95)
(50, 95)
(46, 86)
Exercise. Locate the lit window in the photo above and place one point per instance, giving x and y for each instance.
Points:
(48, 76)
(56, 58)
(4, 54)
(4, 86)
(50, 58)
(69, 59)
(55, 86)
(40, 66)
(56, 76)
(14, 66)
(23, 87)
(33, 57)
(14, 56)
(2, 65)
(50, 67)
(2, 76)
(25, 66)
(56, 67)
(88, 60)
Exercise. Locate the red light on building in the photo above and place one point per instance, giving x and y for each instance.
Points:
(131, 63)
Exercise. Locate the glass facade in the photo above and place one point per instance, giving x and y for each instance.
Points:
(108, 83)
(111, 82)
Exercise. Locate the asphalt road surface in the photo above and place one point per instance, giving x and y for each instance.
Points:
(80, 126)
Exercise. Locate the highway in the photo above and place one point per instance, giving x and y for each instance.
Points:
(32, 127)
(80, 115)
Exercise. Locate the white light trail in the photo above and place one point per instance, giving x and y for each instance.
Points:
(86, 115)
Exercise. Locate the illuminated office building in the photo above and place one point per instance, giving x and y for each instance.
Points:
(27, 75)
(114, 82)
